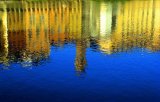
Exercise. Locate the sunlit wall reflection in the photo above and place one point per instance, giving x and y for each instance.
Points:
(28, 29)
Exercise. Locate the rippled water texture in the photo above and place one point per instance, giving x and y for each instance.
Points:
(80, 51)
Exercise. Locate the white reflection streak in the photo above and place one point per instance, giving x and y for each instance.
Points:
(105, 19)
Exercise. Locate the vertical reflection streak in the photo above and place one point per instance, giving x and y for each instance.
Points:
(4, 35)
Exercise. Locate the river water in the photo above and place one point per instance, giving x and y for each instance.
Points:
(80, 51)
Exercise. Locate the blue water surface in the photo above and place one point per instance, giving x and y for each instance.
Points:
(80, 51)
(131, 76)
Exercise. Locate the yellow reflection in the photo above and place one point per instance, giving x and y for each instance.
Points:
(3, 34)
(33, 26)
(106, 46)
(131, 30)
(28, 29)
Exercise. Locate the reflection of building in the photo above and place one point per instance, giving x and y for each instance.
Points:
(65, 22)
(102, 25)
(33, 26)
(105, 19)
(136, 31)
(28, 29)
(156, 26)
(37, 39)
(3, 35)
(120, 29)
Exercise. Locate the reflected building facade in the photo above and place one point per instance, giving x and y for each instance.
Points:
(3, 35)
(27, 29)
(121, 26)
(32, 27)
